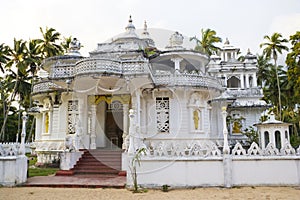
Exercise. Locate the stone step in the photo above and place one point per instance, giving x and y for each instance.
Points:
(98, 162)
(93, 171)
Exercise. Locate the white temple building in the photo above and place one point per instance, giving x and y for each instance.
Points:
(176, 95)
(187, 110)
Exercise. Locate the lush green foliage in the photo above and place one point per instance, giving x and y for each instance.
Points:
(207, 42)
(19, 64)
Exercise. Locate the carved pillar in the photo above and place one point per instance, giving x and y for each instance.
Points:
(225, 80)
(78, 130)
(138, 108)
(176, 63)
(131, 148)
(254, 80)
(23, 133)
(225, 132)
(125, 126)
(93, 127)
(242, 81)
(247, 80)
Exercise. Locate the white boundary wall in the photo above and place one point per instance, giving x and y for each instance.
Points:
(208, 167)
(280, 171)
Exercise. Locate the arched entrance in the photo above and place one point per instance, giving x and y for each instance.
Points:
(108, 120)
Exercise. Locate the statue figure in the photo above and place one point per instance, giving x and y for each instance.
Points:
(236, 128)
(196, 119)
(69, 144)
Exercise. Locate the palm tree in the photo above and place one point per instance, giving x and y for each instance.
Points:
(19, 63)
(273, 46)
(65, 43)
(47, 45)
(264, 68)
(4, 53)
(207, 42)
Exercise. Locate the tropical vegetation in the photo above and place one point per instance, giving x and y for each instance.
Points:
(18, 65)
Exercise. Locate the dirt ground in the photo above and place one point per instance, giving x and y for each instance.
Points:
(40, 193)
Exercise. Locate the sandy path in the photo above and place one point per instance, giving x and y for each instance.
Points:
(28, 193)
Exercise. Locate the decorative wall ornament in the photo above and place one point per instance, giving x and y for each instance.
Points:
(254, 150)
(162, 114)
(73, 116)
(271, 150)
(287, 149)
(183, 149)
(238, 150)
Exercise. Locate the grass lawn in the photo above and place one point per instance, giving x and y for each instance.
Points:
(39, 171)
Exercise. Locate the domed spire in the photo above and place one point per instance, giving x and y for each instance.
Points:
(146, 36)
(130, 26)
(145, 32)
(130, 29)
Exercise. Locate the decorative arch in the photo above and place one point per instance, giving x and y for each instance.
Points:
(233, 82)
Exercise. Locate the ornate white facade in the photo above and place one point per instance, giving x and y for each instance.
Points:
(129, 94)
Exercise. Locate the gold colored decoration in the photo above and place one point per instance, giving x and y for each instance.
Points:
(196, 119)
(236, 127)
(46, 122)
(124, 99)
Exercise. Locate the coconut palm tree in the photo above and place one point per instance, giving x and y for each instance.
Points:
(207, 42)
(47, 45)
(272, 47)
(264, 67)
(4, 53)
(17, 66)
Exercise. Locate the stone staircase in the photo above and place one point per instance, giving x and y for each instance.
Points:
(97, 163)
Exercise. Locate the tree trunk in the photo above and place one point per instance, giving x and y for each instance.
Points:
(279, 91)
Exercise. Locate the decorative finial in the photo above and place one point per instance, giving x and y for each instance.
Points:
(227, 41)
(74, 47)
(130, 26)
(249, 52)
(130, 20)
(145, 26)
(145, 32)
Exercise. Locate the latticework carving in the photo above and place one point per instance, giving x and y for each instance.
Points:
(162, 114)
(271, 150)
(72, 116)
(238, 150)
(254, 150)
(287, 149)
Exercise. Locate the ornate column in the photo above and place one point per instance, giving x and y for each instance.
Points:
(176, 63)
(254, 80)
(247, 80)
(125, 126)
(23, 133)
(226, 149)
(93, 127)
(242, 81)
(131, 148)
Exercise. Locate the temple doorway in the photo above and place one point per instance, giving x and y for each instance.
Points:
(114, 124)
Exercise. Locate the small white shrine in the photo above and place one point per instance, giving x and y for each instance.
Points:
(178, 104)
(273, 131)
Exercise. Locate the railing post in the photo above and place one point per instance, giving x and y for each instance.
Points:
(23, 133)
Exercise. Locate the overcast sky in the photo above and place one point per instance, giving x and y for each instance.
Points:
(94, 21)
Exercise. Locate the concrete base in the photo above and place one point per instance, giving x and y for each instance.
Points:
(13, 170)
